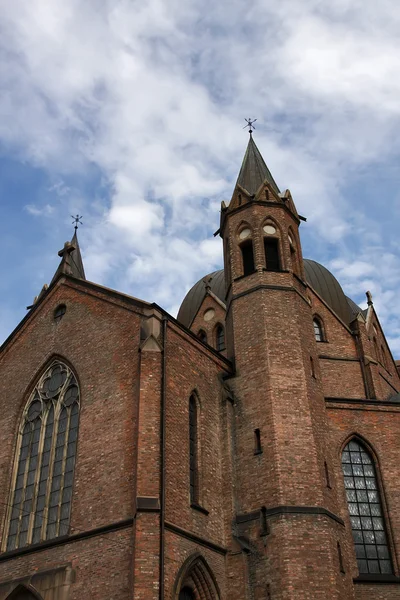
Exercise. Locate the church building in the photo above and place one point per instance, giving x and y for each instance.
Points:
(248, 449)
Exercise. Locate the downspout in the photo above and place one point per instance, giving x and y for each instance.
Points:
(162, 457)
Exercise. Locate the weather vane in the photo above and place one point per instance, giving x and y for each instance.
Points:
(250, 124)
(77, 221)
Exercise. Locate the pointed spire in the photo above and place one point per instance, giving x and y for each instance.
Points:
(76, 258)
(71, 260)
(254, 171)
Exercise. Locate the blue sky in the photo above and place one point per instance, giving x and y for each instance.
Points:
(131, 114)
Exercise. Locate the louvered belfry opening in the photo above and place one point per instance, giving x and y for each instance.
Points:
(247, 257)
(271, 247)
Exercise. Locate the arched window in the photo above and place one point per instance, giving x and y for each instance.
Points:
(318, 330)
(247, 257)
(220, 338)
(293, 253)
(186, 594)
(42, 490)
(193, 462)
(202, 336)
(365, 508)
(271, 247)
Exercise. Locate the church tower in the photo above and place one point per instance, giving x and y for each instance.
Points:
(285, 505)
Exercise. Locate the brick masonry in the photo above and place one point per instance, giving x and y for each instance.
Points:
(137, 368)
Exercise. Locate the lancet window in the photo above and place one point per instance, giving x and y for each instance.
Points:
(318, 330)
(193, 458)
(365, 508)
(220, 338)
(40, 500)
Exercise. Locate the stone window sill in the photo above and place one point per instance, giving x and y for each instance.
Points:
(378, 578)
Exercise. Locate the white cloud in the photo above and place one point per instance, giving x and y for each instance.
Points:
(153, 96)
(40, 211)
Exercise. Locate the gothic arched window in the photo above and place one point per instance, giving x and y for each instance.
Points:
(318, 330)
(42, 484)
(365, 508)
(193, 466)
(220, 338)
(202, 336)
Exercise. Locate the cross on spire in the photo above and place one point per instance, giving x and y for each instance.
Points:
(77, 221)
(250, 124)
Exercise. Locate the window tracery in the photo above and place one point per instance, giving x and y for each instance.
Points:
(365, 508)
(41, 496)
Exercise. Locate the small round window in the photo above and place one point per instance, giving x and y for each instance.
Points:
(60, 312)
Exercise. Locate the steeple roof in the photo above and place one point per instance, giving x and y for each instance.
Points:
(254, 171)
(71, 260)
(76, 258)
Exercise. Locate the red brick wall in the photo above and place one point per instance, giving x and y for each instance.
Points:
(99, 339)
(209, 327)
(272, 340)
(379, 426)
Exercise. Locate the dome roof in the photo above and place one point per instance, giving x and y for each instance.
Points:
(318, 277)
(193, 299)
(328, 287)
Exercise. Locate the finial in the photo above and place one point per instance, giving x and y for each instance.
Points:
(250, 124)
(369, 298)
(77, 221)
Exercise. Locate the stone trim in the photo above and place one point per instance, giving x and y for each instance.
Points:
(378, 578)
(362, 401)
(195, 538)
(60, 541)
(290, 510)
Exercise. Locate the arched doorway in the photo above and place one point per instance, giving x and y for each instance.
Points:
(195, 580)
(186, 594)
(22, 593)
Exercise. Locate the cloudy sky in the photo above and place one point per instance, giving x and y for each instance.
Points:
(130, 113)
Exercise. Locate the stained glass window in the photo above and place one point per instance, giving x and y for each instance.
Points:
(365, 508)
(41, 496)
